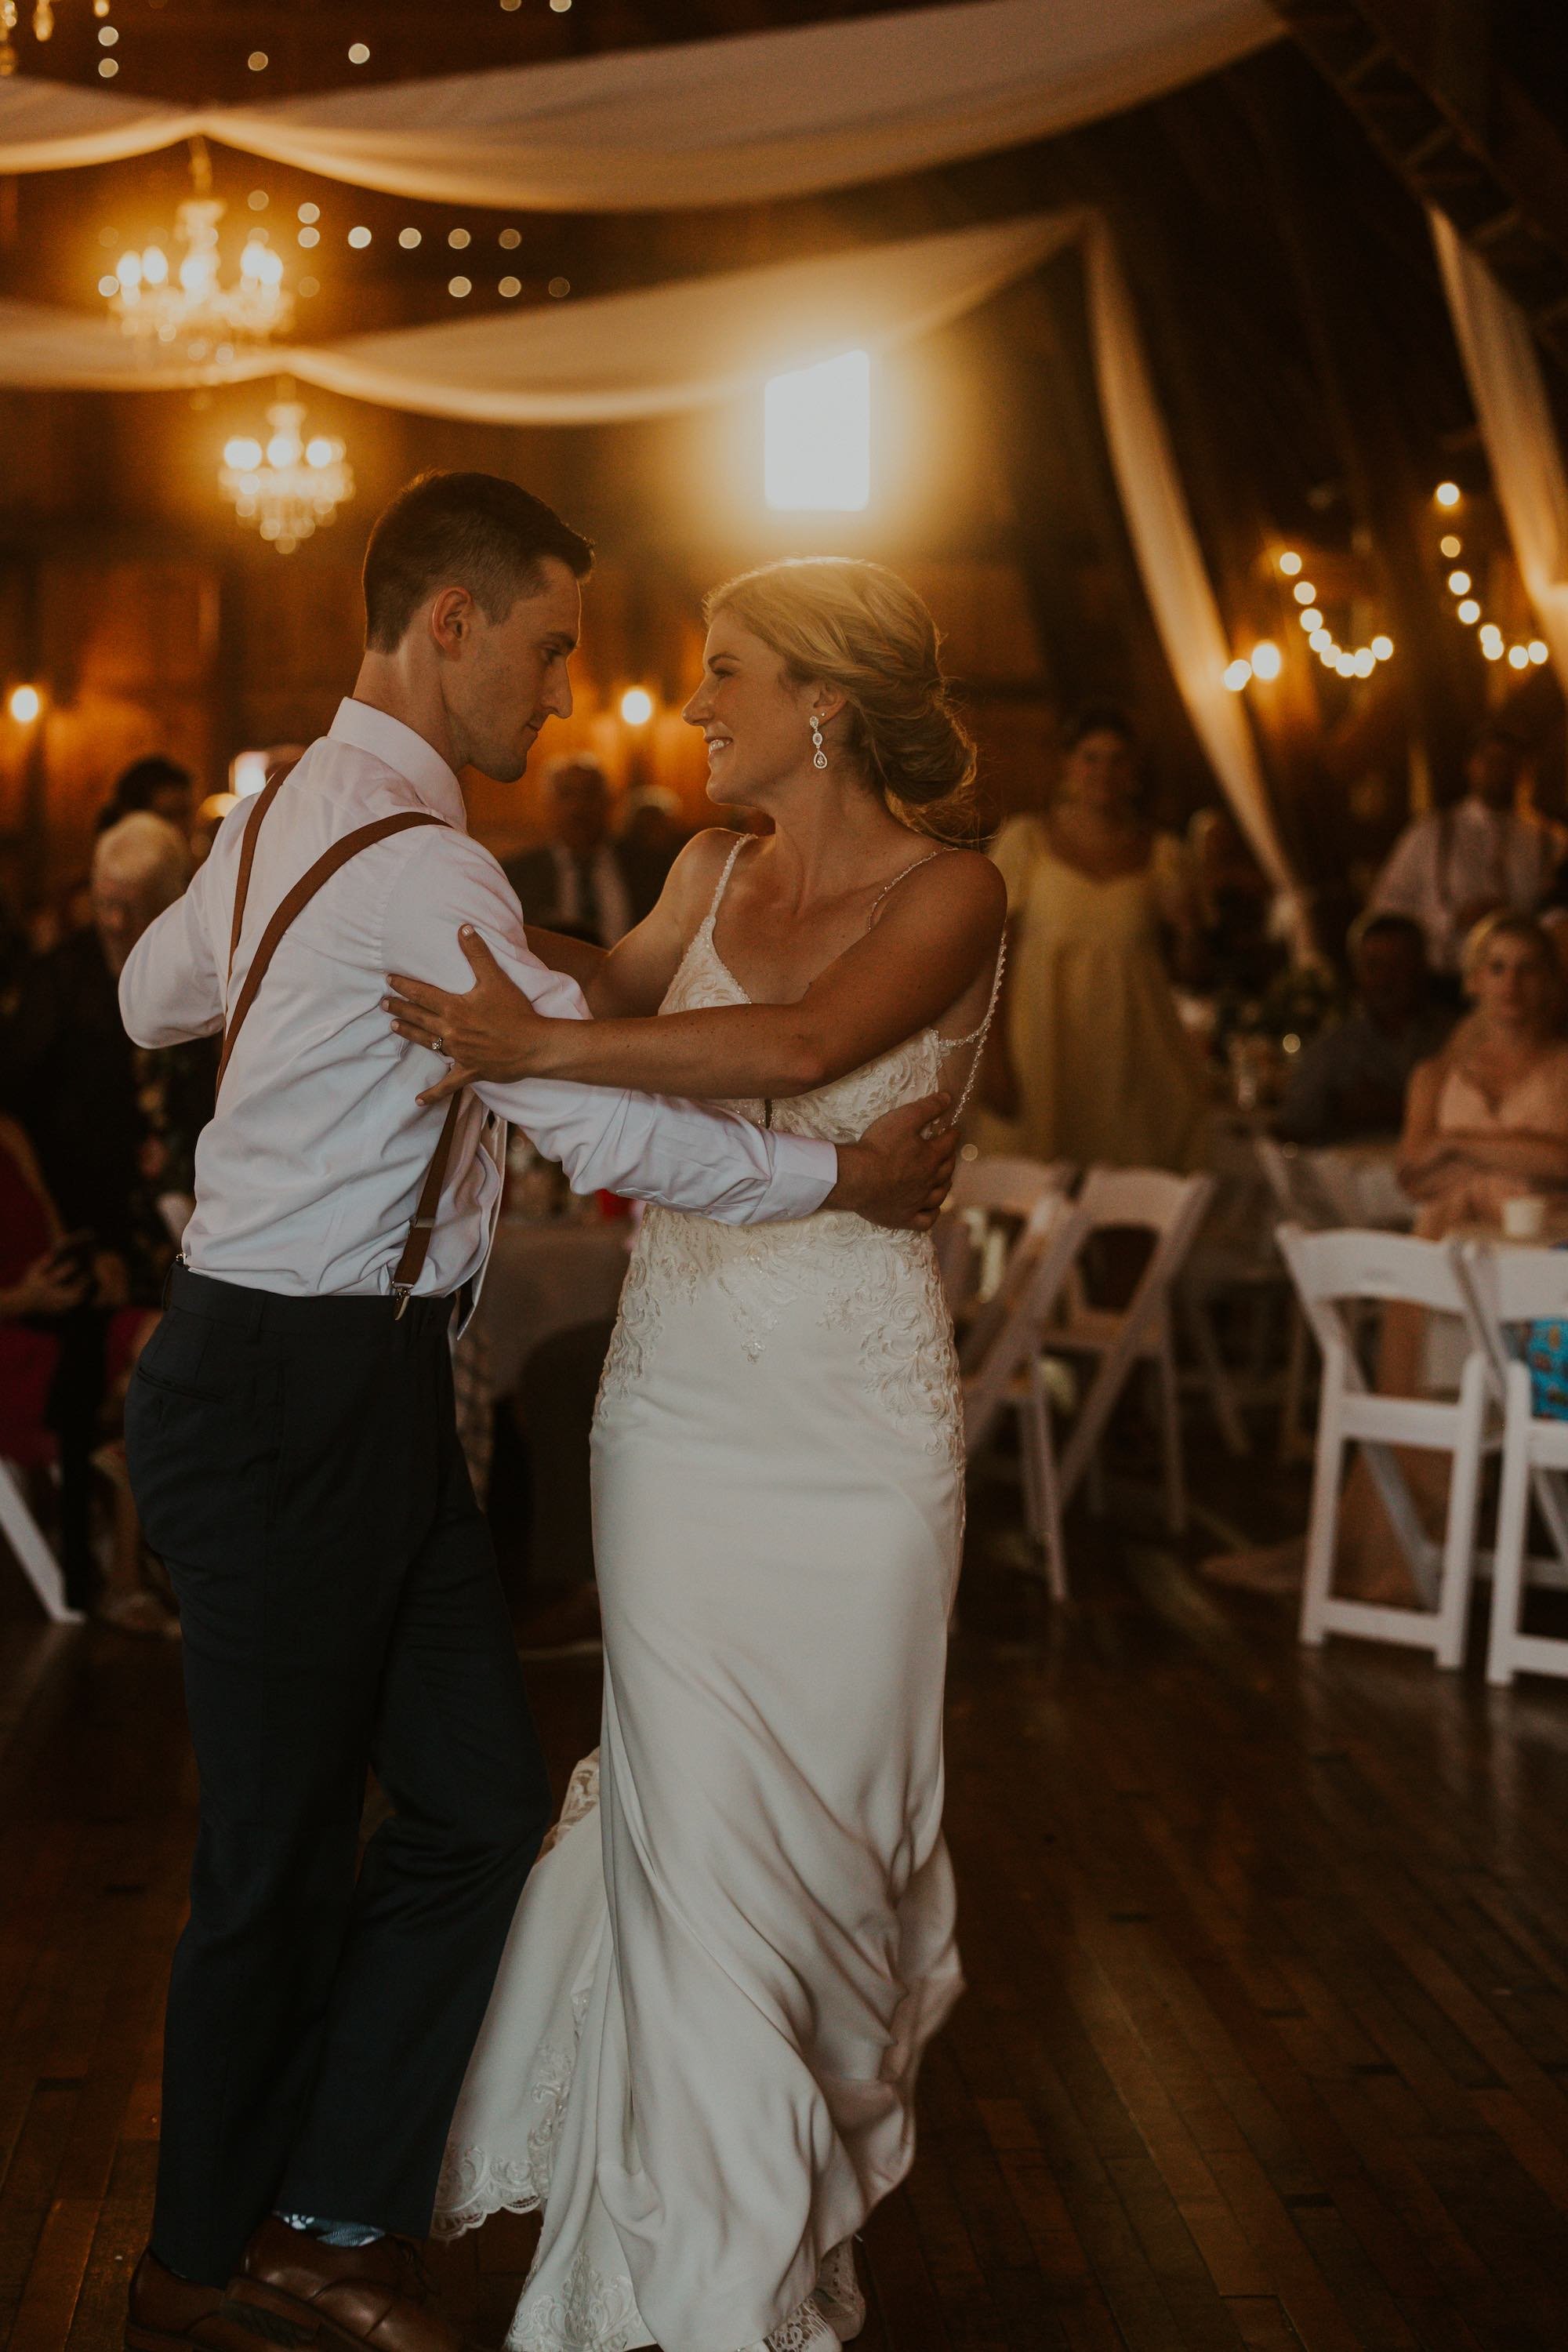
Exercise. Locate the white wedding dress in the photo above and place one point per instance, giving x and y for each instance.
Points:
(700, 2053)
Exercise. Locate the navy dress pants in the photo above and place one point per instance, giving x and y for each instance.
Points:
(296, 1464)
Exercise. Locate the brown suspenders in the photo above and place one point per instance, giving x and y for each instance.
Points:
(416, 1248)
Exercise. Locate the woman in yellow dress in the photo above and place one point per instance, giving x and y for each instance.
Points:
(1092, 1064)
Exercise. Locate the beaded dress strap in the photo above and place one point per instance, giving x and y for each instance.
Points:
(904, 876)
(724, 880)
(977, 1037)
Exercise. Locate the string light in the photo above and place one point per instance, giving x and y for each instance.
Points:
(1359, 662)
(408, 238)
(1469, 611)
(509, 239)
(359, 238)
(309, 214)
(1460, 582)
(637, 705)
(460, 287)
(25, 704)
(1447, 494)
(559, 287)
(1518, 658)
(1237, 675)
(1539, 650)
(510, 288)
(258, 61)
(359, 54)
(1451, 546)
(42, 20)
(459, 239)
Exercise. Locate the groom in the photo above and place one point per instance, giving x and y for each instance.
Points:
(295, 1459)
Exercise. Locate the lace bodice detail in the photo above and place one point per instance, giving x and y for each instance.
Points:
(878, 1291)
(837, 1113)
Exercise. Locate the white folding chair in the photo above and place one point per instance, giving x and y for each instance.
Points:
(996, 1209)
(1334, 1273)
(28, 1540)
(1005, 1374)
(1511, 1288)
(1171, 1208)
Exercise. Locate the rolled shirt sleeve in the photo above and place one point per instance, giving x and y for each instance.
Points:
(643, 1146)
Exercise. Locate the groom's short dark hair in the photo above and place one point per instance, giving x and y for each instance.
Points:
(460, 530)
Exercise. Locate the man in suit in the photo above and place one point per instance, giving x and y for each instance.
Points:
(577, 881)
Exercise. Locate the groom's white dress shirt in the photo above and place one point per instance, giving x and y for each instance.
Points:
(307, 1179)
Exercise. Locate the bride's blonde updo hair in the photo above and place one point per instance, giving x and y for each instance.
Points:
(866, 635)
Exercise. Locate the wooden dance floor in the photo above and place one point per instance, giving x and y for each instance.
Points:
(1266, 2038)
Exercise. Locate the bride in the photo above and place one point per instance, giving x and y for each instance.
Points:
(701, 2053)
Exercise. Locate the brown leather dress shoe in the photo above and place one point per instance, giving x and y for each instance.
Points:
(293, 2290)
(168, 2314)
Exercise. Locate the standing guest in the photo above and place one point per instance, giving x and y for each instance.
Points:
(1488, 854)
(577, 882)
(651, 838)
(1094, 1065)
(112, 1130)
(1349, 1083)
(155, 787)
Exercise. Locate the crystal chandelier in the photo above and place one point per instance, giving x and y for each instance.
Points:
(290, 484)
(162, 300)
(42, 27)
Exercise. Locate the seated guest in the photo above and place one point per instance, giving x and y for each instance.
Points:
(114, 1131)
(1484, 855)
(1350, 1082)
(155, 787)
(578, 881)
(1486, 1118)
(1486, 1122)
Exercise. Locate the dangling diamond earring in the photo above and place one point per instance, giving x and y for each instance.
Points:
(818, 757)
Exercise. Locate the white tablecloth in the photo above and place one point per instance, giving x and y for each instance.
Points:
(544, 1279)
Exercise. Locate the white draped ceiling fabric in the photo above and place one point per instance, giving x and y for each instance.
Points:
(605, 359)
(1170, 559)
(1517, 426)
(743, 120)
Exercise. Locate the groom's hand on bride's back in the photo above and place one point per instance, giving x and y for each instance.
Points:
(899, 1174)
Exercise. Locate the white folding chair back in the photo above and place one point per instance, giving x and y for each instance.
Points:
(1171, 1208)
(974, 1244)
(1007, 1376)
(28, 1540)
(1334, 1272)
(1509, 1289)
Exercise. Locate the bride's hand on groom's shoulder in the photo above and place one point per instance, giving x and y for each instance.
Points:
(900, 1171)
(491, 1032)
